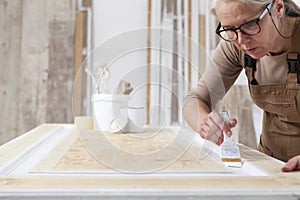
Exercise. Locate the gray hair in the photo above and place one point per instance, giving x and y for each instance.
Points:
(290, 7)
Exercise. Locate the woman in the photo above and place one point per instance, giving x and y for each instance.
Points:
(260, 36)
(292, 165)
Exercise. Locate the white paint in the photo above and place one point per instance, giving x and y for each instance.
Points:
(24, 162)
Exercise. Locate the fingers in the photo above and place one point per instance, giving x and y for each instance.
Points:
(292, 165)
(212, 127)
(227, 127)
(232, 123)
(214, 133)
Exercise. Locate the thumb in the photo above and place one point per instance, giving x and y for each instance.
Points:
(232, 122)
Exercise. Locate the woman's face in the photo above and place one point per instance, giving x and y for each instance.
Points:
(234, 13)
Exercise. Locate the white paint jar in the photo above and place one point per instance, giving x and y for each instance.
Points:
(106, 107)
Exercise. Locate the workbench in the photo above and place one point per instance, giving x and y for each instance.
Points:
(58, 161)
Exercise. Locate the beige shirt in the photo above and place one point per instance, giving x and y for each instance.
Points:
(277, 93)
(226, 65)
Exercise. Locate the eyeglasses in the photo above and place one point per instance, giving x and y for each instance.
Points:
(249, 28)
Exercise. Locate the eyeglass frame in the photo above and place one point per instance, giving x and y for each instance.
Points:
(257, 20)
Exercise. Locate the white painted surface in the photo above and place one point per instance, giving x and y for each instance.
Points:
(38, 186)
(22, 164)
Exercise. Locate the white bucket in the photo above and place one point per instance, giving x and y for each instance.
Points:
(131, 120)
(106, 107)
(135, 117)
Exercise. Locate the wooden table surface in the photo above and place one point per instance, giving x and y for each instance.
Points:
(56, 161)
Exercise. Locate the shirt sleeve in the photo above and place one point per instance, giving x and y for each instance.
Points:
(224, 68)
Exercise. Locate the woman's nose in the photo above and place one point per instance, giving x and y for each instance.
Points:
(241, 37)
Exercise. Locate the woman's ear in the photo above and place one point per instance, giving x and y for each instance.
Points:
(279, 7)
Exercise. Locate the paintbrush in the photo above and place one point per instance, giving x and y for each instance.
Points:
(230, 152)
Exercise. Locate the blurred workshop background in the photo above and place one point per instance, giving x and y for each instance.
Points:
(44, 43)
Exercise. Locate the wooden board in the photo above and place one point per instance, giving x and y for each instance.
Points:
(20, 145)
(69, 171)
(36, 64)
(10, 53)
(72, 156)
(80, 38)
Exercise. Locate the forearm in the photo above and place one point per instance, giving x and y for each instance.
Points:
(194, 112)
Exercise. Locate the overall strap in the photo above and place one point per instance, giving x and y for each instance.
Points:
(293, 57)
(293, 60)
(251, 63)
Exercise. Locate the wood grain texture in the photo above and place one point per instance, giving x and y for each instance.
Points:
(203, 185)
(61, 28)
(202, 54)
(36, 64)
(10, 52)
(78, 59)
(17, 147)
(71, 155)
(148, 87)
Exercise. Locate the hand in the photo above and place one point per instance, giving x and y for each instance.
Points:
(292, 164)
(212, 128)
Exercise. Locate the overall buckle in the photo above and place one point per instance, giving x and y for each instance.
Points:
(293, 62)
(249, 62)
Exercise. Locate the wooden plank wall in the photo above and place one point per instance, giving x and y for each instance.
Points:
(36, 79)
(10, 53)
(80, 82)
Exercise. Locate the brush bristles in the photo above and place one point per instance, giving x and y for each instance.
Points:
(231, 160)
